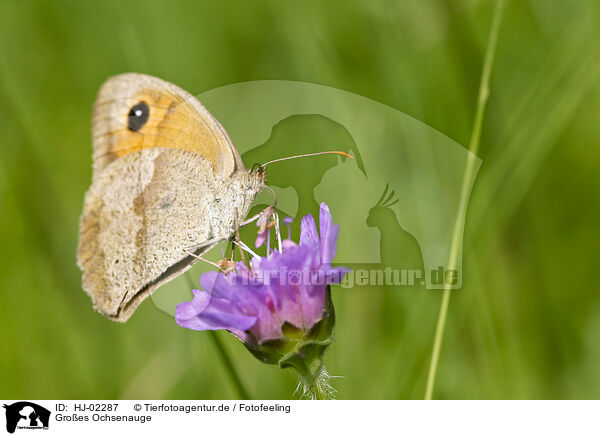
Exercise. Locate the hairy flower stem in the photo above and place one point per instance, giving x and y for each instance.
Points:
(484, 92)
(316, 387)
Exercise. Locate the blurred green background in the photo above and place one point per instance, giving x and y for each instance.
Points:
(526, 324)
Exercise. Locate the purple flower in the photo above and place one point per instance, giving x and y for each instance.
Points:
(282, 297)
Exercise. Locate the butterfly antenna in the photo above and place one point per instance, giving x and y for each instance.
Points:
(307, 155)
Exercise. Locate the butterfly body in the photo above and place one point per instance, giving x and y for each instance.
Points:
(165, 177)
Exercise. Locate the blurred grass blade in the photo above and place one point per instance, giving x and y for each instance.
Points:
(459, 224)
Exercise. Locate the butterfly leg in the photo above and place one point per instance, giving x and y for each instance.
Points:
(252, 219)
(268, 210)
(210, 262)
(237, 236)
(206, 246)
(228, 265)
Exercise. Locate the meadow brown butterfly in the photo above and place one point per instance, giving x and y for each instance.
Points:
(165, 176)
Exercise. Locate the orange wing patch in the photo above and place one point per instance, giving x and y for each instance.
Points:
(171, 123)
(134, 112)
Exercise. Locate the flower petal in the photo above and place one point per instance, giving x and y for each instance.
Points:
(260, 239)
(308, 232)
(204, 313)
(329, 234)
